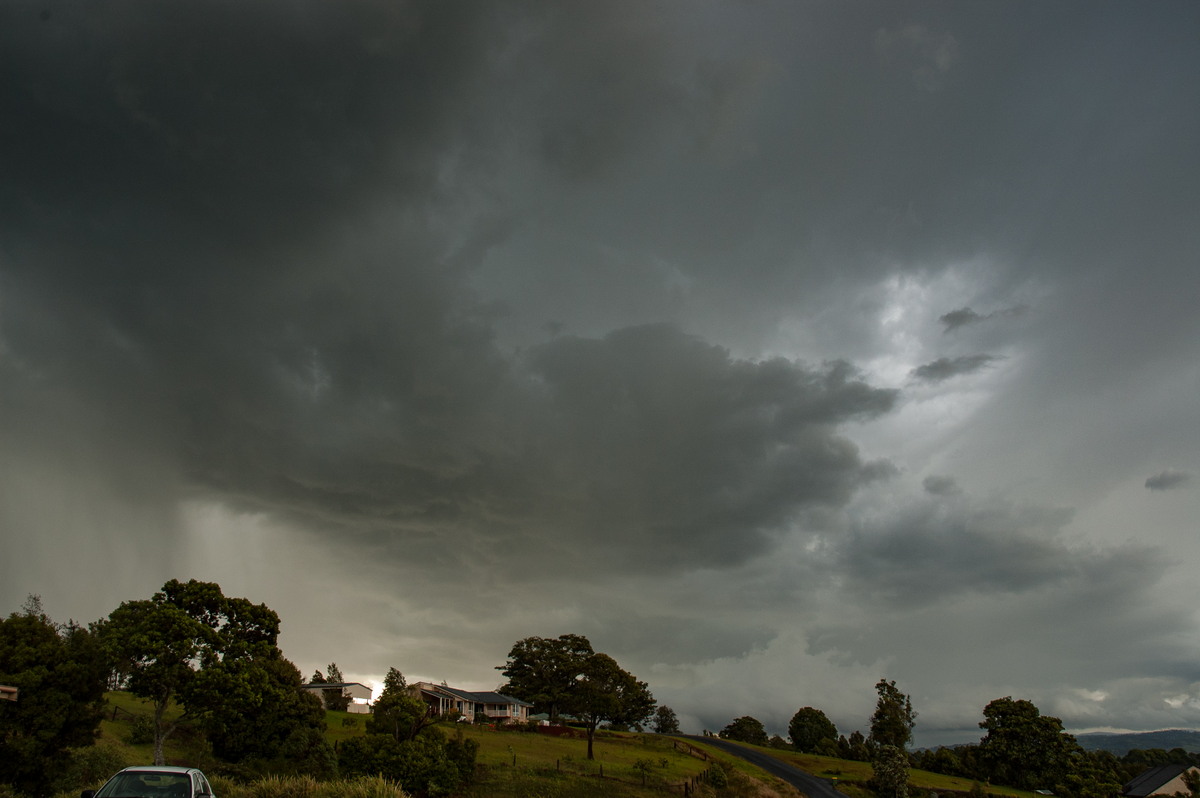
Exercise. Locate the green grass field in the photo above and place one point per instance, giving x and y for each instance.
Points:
(526, 764)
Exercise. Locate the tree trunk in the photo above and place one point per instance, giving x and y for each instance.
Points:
(159, 733)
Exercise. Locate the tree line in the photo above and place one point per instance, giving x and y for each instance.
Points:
(1020, 748)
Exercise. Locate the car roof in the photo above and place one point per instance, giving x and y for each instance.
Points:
(159, 769)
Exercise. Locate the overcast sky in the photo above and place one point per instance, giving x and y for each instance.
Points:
(776, 347)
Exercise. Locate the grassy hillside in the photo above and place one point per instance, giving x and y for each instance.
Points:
(511, 763)
(522, 763)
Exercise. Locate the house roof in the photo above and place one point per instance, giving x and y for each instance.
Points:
(352, 689)
(478, 698)
(1149, 781)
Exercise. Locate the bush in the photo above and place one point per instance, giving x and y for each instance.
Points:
(89, 766)
(141, 730)
(426, 763)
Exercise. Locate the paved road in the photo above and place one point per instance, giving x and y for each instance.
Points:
(810, 785)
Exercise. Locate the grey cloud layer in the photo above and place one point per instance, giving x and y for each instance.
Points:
(538, 298)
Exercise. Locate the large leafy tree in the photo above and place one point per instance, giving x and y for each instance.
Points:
(61, 673)
(604, 692)
(1024, 748)
(745, 729)
(565, 674)
(255, 714)
(894, 718)
(161, 645)
(809, 727)
(544, 670)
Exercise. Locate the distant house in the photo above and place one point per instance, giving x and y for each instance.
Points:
(8, 693)
(359, 694)
(499, 708)
(1161, 780)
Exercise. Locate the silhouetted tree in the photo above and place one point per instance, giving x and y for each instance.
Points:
(544, 671)
(61, 673)
(665, 721)
(745, 729)
(604, 692)
(894, 718)
(808, 728)
(1024, 748)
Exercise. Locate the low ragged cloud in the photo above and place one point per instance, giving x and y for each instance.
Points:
(944, 367)
(964, 317)
(1168, 480)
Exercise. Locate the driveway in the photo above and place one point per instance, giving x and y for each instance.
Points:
(808, 784)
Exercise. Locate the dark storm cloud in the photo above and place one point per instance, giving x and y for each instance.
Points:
(675, 639)
(1168, 480)
(662, 437)
(944, 368)
(238, 241)
(941, 485)
(932, 551)
(141, 122)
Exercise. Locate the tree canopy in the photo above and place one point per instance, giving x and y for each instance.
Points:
(665, 721)
(160, 646)
(255, 714)
(808, 728)
(544, 670)
(746, 730)
(894, 718)
(61, 673)
(1024, 748)
(565, 674)
(604, 692)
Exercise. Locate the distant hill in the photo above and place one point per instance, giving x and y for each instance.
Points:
(1121, 743)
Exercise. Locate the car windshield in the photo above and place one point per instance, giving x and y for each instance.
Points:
(147, 784)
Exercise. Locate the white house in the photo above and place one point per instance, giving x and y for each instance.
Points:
(499, 708)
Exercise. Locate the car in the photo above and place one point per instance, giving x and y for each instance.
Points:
(154, 781)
